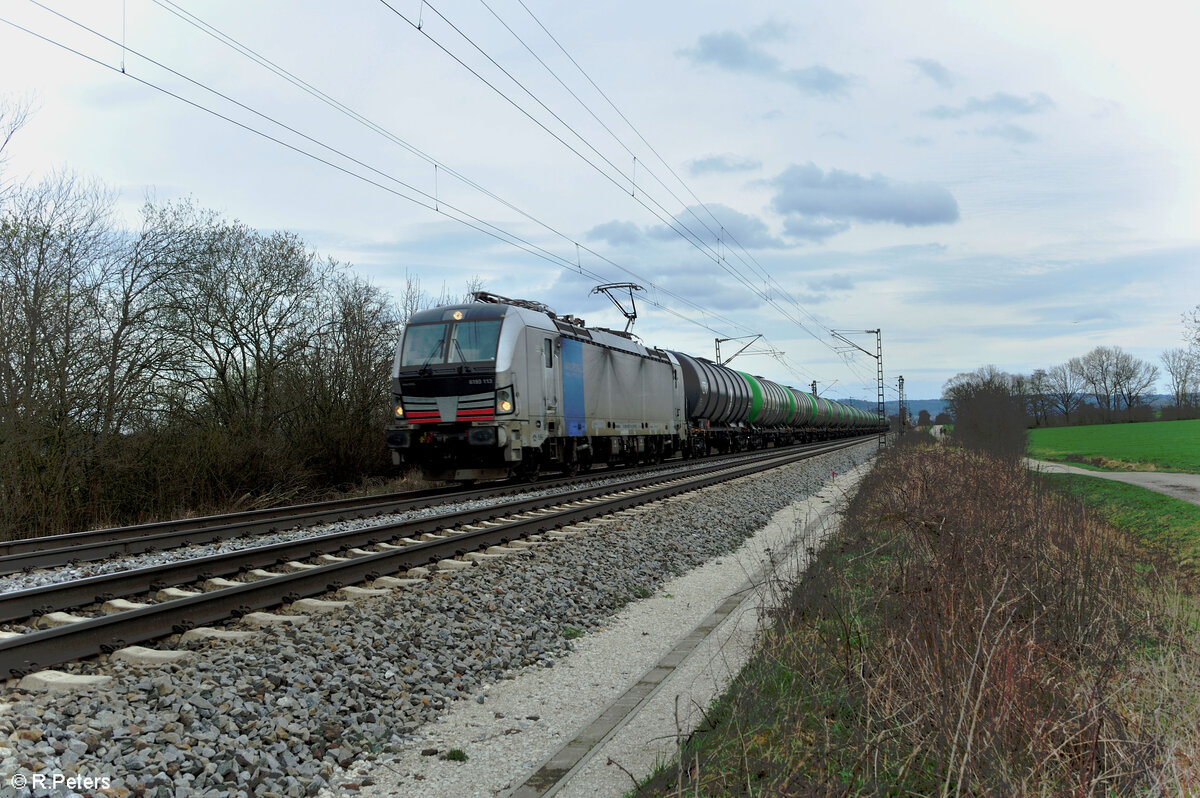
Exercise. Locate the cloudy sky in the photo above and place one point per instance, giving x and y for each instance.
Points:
(1009, 182)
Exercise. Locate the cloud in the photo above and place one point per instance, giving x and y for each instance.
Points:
(695, 223)
(811, 228)
(838, 195)
(732, 226)
(999, 104)
(735, 52)
(834, 282)
(615, 233)
(773, 30)
(1013, 133)
(817, 80)
(934, 71)
(721, 163)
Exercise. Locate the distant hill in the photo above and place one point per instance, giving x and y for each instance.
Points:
(915, 406)
(935, 406)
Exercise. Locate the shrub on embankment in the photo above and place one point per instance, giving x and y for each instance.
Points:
(968, 631)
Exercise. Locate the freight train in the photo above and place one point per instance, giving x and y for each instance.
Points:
(505, 387)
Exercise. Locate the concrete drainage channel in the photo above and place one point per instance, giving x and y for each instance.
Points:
(362, 686)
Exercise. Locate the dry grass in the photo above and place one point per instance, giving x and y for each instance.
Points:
(968, 632)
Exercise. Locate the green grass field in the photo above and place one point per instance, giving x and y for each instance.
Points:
(1149, 446)
(1165, 523)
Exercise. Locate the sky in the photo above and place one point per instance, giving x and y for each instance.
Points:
(1008, 183)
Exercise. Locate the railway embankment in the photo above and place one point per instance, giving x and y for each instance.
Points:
(969, 629)
(305, 706)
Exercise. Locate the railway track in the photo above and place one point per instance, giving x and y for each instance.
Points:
(94, 545)
(397, 547)
(98, 544)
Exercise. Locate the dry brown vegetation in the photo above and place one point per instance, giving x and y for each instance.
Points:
(968, 632)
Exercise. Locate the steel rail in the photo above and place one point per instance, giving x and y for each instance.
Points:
(36, 650)
(98, 544)
(20, 604)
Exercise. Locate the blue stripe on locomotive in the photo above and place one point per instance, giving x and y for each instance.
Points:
(574, 409)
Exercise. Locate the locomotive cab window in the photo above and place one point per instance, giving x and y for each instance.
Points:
(548, 345)
(441, 342)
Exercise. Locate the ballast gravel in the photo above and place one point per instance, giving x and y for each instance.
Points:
(287, 713)
(47, 576)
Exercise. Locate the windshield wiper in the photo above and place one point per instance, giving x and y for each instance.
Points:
(462, 357)
(436, 349)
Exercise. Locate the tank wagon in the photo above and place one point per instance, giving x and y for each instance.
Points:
(501, 387)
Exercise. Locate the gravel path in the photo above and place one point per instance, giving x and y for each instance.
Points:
(1180, 486)
(283, 714)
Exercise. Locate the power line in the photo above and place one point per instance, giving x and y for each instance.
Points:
(422, 198)
(674, 224)
(751, 263)
(464, 217)
(767, 276)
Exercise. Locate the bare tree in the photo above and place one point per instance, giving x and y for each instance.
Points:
(1183, 371)
(1098, 369)
(1064, 387)
(246, 309)
(1036, 390)
(14, 113)
(1133, 378)
(1191, 327)
(55, 241)
(343, 379)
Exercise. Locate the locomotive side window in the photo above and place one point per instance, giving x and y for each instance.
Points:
(548, 346)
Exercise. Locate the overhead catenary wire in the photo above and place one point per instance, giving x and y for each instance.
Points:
(745, 254)
(670, 220)
(747, 260)
(672, 223)
(423, 199)
(248, 52)
(416, 195)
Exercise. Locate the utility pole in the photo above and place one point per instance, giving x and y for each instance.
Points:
(720, 341)
(878, 333)
(903, 410)
(814, 387)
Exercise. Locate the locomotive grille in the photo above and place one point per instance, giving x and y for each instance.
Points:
(445, 409)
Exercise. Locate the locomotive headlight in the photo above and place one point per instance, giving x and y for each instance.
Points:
(399, 411)
(504, 403)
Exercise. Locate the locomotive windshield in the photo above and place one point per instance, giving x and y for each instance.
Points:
(457, 342)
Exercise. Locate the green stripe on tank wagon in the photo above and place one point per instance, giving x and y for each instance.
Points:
(756, 397)
(791, 397)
